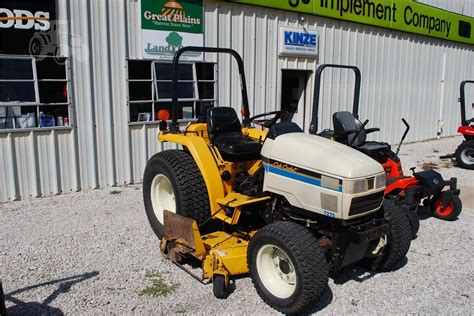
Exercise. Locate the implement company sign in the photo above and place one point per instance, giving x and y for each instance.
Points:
(401, 15)
(168, 25)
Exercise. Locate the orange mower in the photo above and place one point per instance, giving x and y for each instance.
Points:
(409, 191)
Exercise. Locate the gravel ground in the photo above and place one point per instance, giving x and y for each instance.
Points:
(94, 253)
(417, 154)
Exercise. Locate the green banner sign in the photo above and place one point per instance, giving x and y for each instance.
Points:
(400, 15)
(173, 15)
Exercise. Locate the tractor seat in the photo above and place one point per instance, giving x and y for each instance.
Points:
(344, 122)
(225, 132)
(375, 150)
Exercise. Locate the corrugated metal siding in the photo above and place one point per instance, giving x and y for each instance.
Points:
(401, 73)
(465, 7)
(401, 77)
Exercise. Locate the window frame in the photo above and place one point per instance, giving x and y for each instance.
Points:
(38, 104)
(34, 81)
(154, 89)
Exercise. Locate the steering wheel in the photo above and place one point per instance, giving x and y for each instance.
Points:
(267, 122)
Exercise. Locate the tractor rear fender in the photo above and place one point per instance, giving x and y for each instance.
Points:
(205, 161)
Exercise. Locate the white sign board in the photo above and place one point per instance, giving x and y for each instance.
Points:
(156, 44)
(298, 42)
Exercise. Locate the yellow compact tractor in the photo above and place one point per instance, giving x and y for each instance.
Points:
(269, 201)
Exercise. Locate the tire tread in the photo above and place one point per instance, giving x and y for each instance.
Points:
(309, 257)
(193, 199)
(400, 236)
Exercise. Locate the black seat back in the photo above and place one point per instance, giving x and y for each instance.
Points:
(283, 128)
(222, 120)
(203, 110)
(345, 121)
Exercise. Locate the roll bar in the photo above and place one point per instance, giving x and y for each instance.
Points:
(462, 100)
(176, 57)
(313, 129)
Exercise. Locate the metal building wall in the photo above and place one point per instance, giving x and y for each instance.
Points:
(465, 7)
(401, 77)
(401, 73)
(96, 152)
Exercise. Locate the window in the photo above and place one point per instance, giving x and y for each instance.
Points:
(33, 93)
(17, 82)
(150, 88)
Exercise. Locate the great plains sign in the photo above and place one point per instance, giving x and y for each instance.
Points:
(298, 42)
(168, 25)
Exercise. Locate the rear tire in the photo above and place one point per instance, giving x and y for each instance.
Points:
(450, 212)
(465, 155)
(399, 238)
(287, 267)
(172, 181)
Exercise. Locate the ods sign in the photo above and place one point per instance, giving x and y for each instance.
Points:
(22, 20)
(298, 42)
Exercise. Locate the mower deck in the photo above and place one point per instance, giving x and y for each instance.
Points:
(221, 253)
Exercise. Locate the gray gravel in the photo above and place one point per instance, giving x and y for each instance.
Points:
(93, 253)
(417, 154)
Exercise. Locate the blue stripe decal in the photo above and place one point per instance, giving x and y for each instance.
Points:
(296, 176)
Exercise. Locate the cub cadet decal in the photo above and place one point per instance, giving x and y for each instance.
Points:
(295, 173)
(24, 19)
(285, 166)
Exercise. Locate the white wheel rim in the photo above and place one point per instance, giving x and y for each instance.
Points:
(276, 271)
(467, 156)
(162, 196)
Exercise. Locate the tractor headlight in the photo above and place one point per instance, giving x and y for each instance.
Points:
(356, 186)
(380, 181)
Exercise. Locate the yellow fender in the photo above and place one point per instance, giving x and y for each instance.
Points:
(204, 159)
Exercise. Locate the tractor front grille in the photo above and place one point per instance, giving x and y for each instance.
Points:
(366, 203)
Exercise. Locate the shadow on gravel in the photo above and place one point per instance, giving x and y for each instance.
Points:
(424, 212)
(324, 302)
(361, 274)
(37, 308)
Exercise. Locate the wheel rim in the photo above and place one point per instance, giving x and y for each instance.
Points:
(162, 196)
(276, 271)
(443, 211)
(467, 156)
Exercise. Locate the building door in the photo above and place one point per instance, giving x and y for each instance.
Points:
(293, 95)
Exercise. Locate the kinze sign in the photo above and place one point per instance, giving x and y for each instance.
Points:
(400, 15)
(298, 42)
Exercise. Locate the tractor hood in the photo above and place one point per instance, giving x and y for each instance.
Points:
(320, 155)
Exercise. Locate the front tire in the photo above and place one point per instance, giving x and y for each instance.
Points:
(465, 155)
(398, 240)
(450, 212)
(172, 181)
(414, 222)
(287, 267)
